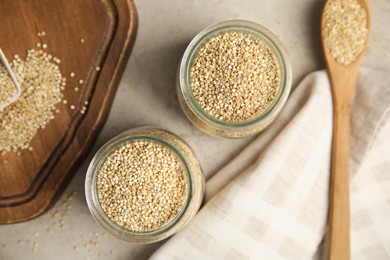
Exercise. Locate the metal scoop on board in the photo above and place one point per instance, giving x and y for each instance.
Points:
(12, 75)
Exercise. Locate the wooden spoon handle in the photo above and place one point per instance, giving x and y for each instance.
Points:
(339, 213)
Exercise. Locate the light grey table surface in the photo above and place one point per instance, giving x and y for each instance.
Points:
(146, 96)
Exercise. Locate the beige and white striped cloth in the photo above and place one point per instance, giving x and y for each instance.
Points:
(271, 201)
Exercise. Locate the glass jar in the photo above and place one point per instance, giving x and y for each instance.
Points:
(193, 175)
(210, 124)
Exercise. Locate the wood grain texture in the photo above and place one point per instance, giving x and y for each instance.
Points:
(31, 183)
(343, 80)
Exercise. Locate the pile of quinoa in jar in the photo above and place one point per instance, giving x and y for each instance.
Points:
(144, 185)
(233, 79)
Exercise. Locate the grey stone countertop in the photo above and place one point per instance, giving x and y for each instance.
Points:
(146, 96)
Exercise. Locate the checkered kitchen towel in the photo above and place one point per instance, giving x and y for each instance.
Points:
(271, 202)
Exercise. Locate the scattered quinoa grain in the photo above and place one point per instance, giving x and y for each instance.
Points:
(345, 30)
(76, 89)
(72, 195)
(72, 107)
(83, 109)
(44, 45)
(81, 81)
(142, 186)
(82, 40)
(235, 77)
(72, 74)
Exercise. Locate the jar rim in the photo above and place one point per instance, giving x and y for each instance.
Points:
(98, 160)
(256, 30)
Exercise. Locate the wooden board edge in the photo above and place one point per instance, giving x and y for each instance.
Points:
(128, 44)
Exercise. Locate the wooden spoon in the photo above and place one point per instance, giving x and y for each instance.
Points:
(342, 79)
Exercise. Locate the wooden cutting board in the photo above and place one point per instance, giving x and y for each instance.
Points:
(93, 39)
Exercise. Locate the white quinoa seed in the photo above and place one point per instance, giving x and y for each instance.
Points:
(345, 30)
(142, 186)
(235, 77)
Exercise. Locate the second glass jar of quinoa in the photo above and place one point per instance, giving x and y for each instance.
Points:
(144, 185)
(234, 79)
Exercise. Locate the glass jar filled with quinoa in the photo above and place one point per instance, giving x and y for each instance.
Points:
(234, 78)
(144, 185)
